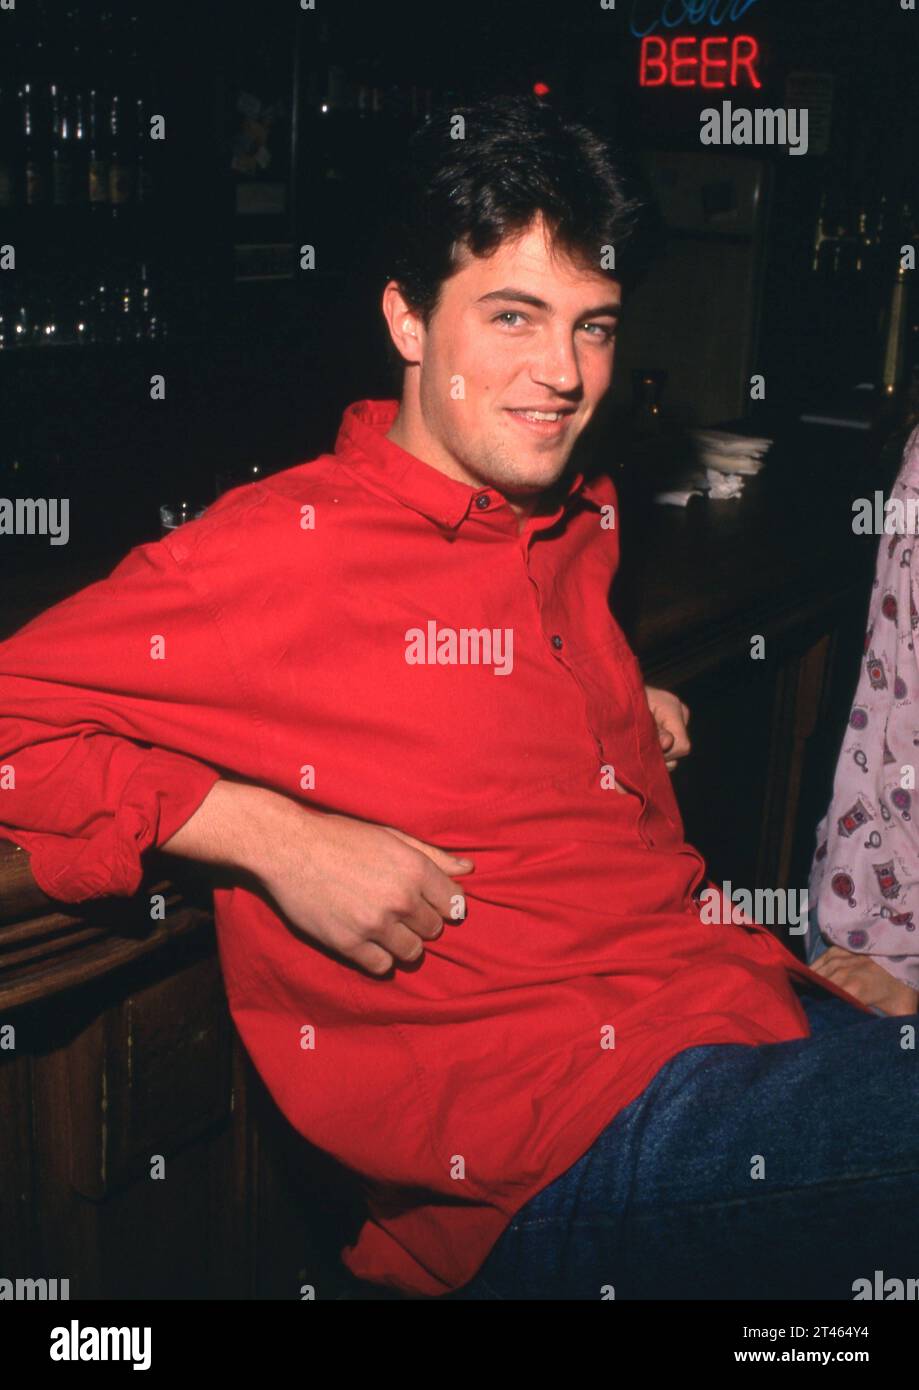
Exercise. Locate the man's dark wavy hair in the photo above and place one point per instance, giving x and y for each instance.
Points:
(518, 158)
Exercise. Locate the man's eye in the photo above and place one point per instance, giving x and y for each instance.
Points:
(605, 334)
(508, 314)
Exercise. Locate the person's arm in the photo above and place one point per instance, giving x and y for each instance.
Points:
(370, 893)
(115, 706)
(866, 870)
(868, 979)
(121, 708)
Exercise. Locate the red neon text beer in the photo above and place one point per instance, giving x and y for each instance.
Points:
(694, 62)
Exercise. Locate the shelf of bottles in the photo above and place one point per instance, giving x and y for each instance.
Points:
(855, 238)
(356, 106)
(78, 178)
(857, 256)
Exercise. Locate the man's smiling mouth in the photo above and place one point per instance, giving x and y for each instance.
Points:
(544, 422)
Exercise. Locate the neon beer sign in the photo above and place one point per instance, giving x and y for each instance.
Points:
(692, 62)
(712, 61)
(673, 13)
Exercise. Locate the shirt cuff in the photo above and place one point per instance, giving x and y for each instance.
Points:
(162, 793)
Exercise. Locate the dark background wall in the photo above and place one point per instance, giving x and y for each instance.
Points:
(257, 372)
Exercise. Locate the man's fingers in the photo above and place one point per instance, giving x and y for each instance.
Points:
(400, 941)
(372, 958)
(444, 896)
(425, 920)
(673, 741)
(449, 863)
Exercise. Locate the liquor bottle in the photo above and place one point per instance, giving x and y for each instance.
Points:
(154, 326)
(176, 514)
(83, 324)
(108, 36)
(35, 180)
(870, 230)
(71, 35)
(862, 240)
(61, 152)
(6, 317)
(646, 424)
(143, 307)
(143, 182)
(122, 303)
(99, 307)
(896, 320)
(121, 169)
(845, 252)
(7, 145)
(44, 317)
(98, 155)
(826, 249)
(133, 39)
(79, 151)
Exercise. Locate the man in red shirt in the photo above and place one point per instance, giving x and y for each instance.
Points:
(387, 683)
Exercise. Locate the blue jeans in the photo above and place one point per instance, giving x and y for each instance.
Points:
(784, 1170)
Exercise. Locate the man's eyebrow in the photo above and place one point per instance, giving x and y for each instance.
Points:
(508, 292)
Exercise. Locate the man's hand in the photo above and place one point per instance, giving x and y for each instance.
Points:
(868, 981)
(371, 893)
(367, 892)
(671, 717)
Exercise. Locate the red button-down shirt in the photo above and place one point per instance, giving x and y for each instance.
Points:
(316, 620)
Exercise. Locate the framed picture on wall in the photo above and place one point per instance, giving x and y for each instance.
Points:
(261, 78)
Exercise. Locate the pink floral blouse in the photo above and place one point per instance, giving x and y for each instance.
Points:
(864, 880)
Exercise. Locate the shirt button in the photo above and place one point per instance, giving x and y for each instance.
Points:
(557, 642)
(482, 501)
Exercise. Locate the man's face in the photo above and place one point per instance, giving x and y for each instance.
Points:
(521, 330)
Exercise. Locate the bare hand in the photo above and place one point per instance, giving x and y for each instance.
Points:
(869, 982)
(671, 717)
(369, 892)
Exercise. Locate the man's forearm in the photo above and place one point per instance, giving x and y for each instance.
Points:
(237, 824)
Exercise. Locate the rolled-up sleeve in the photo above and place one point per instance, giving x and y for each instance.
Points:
(118, 711)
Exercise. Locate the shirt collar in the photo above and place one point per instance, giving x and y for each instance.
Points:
(418, 485)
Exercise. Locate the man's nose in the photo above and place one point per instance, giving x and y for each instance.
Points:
(557, 365)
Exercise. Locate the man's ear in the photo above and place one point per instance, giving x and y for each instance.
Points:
(404, 324)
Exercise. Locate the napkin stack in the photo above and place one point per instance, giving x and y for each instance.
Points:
(727, 459)
(730, 453)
